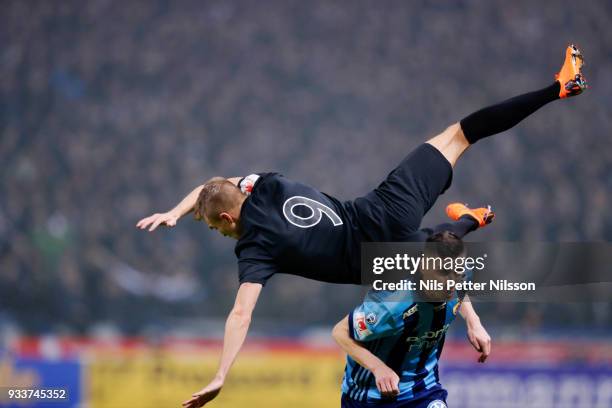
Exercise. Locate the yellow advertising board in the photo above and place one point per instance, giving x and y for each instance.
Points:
(266, 378)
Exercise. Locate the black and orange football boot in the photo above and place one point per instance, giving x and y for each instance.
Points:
(569, 76)
(483, 215)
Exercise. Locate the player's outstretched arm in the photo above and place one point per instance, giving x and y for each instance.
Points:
(236, 328)
(387, 381)
(171, 217)
(477, 335)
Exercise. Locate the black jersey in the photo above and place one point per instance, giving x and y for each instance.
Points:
(289, 227)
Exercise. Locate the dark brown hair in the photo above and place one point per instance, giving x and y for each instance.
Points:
(445, 244)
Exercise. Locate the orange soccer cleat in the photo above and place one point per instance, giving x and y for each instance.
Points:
(483, 215)
(570, 78)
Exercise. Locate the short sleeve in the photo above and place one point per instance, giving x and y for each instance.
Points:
(377, 317)
(247, 183)
(255, 265)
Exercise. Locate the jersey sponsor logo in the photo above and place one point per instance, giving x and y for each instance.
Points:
(371, 318)
(360, 326)
(437, 404)
(428, 339)
(410, 311)
(317, 210)
(430, 335)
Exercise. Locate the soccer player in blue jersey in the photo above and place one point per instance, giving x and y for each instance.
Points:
(283, 226)
(394, 343)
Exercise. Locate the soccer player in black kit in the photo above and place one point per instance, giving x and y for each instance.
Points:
(283, 226)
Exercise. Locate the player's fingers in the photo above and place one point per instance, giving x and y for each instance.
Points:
(147, 220)
(474, 343)
(156, 224)
(383, 387)
(396, 381)
(150, 222)
(486, 347)
(142, 222)
(388, 387)
(393, 387)
(195, 403)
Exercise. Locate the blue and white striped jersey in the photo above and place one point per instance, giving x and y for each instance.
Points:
(408, 336)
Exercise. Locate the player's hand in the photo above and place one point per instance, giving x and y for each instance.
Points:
(387, 381)
(205, 395)
(168, 219)
(480, 339)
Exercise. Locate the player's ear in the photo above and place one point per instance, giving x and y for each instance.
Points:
(226, 217)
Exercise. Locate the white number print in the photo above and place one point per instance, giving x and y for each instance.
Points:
(316, 212)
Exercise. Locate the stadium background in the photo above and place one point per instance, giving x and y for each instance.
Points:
(111, 110)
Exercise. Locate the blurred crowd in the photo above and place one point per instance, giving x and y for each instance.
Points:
(112, 110)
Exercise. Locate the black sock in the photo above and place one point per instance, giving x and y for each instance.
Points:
(460, 228)
(497, 118)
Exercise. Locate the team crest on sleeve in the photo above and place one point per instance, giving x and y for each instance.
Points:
(247, 183)
(371, 318)
(437, 404)
(359, 323)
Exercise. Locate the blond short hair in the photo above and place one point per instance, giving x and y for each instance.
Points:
(217, 195)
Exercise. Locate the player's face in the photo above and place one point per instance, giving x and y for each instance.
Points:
(442, 276)
(226, 226)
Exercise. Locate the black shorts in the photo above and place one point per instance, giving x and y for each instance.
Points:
(394, 210)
